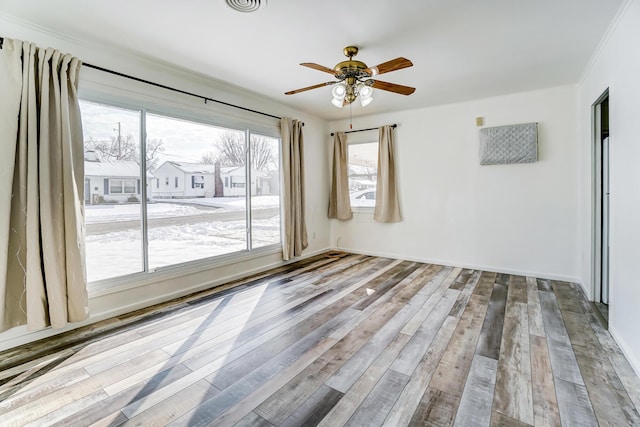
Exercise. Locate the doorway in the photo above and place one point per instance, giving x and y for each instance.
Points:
(601, 214)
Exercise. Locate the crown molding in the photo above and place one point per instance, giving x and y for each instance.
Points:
(605, 39)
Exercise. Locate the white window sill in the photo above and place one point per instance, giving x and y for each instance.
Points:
(362, 209)
(121, 283)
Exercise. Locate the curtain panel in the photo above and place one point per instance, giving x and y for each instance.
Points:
(295, 228)
(42, 255)
(387, 206)
(339, 202)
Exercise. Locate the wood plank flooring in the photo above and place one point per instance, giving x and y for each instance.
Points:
(336, 339)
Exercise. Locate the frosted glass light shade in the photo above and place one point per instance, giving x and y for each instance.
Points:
(366, 101)
(366, 91)
(339, 91)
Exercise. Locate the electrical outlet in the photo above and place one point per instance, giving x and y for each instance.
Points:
(479, 121)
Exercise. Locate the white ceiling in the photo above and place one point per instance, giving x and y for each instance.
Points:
(461, 49)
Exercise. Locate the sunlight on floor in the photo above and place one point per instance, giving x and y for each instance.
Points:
(208, 348)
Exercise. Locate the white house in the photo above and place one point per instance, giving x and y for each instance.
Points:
(177, 180)
(235, 181)
(111, 181)
(183, 180)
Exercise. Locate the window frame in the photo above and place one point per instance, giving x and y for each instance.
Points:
(123, 186)
(187, 111)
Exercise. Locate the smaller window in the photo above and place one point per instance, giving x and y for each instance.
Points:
(115, 186)
(130, 186)
(197, 181)
(158, 183)
(362, 172)
(226, 181)
(122, 186)
(176, 182)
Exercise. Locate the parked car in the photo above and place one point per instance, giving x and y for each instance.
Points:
(364, 198)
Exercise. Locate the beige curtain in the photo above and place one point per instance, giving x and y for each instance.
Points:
(339, 203)
(387, 207)
(295, 228)
(42, 264)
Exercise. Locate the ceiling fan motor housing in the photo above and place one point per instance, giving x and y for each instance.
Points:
(351, 68)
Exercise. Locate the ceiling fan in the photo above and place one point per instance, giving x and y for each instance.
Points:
(354, 79)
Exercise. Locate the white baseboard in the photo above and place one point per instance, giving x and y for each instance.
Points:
(635, 363)
(448, 263)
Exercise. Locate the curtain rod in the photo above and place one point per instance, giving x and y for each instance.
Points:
(362, 130)
(205, 98)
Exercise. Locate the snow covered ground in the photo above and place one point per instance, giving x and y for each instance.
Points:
(230, 203)
(119, 253)
(163, 208)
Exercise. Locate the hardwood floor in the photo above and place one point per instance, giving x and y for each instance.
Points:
(337, 339)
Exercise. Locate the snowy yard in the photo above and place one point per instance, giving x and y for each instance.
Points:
(163, 208)
(118, 253)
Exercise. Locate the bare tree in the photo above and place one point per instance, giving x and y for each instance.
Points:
(208, 158)
(232, 151)
(114, 149)
(126, 149)
(263, 155)
(231, 148)
(155, 147)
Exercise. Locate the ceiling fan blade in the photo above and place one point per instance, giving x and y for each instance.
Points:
(385, 67)
(318, 67)
(292, 92)
(393, 87)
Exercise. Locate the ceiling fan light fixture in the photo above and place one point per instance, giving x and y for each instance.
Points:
(339, 91)
(365, 91)
(366, 101)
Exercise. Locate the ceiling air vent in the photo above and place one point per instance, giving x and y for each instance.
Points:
(246, 5)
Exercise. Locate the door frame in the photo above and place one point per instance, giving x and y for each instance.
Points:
(597, 196)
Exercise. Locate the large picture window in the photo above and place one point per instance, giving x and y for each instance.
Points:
(175, 224)
(362, 173)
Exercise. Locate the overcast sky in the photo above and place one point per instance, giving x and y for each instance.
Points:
(183, 141)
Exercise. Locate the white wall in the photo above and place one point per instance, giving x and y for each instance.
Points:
(616, 66)
(160, 287)
(517, 218)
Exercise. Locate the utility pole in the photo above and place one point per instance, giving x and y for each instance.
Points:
(119, 142)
